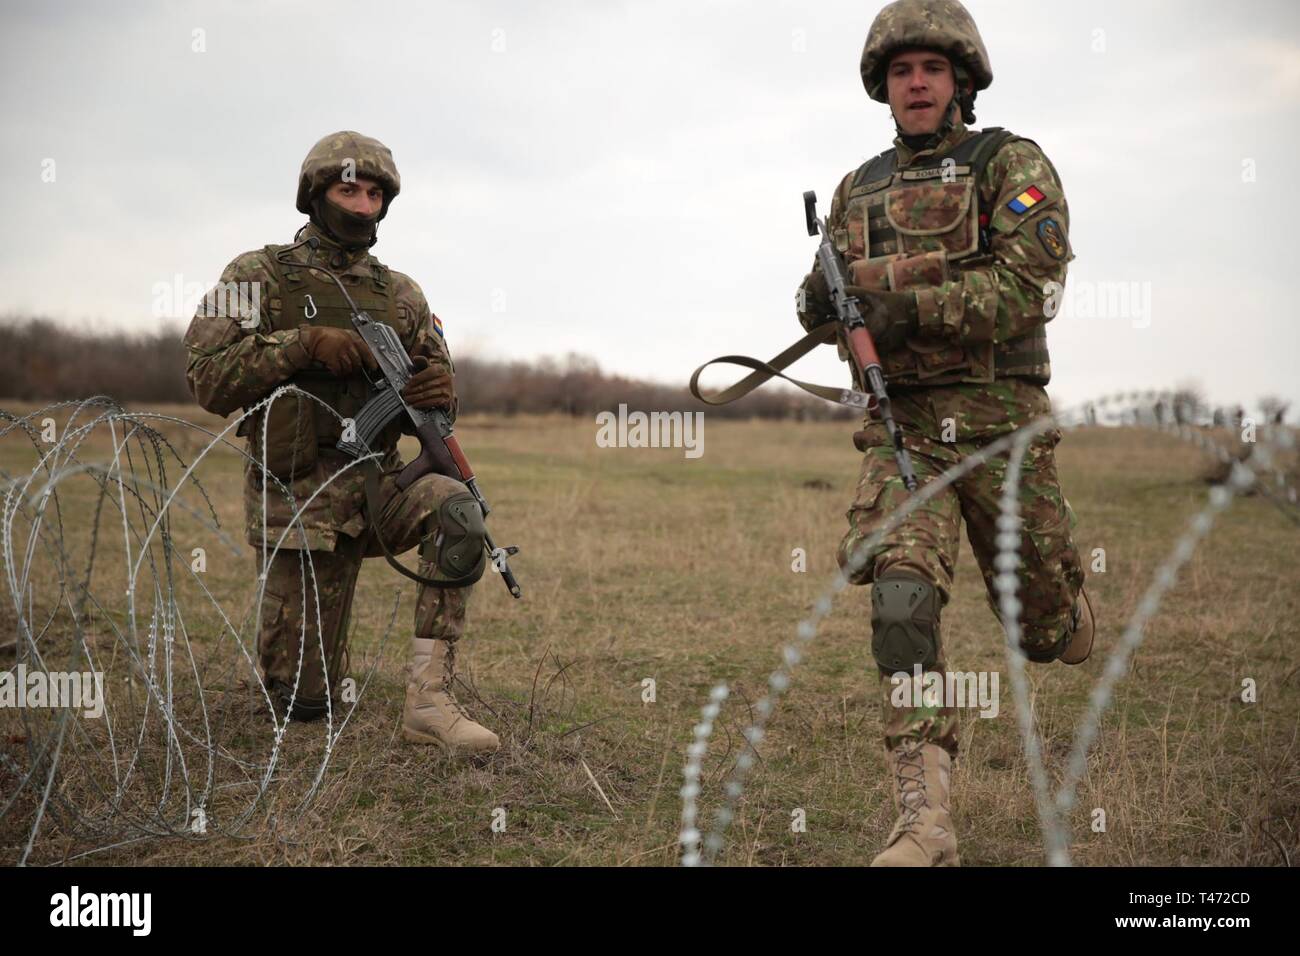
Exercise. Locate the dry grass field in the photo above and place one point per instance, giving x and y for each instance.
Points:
(640, 563)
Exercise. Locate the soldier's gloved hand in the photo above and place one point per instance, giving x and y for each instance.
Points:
(813, 301)
(342, 351)
(430, 386)
(891, 317)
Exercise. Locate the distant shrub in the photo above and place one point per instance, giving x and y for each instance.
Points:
(41, 360)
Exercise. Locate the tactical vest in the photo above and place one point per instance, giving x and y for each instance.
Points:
(307, 296)
(920, 226)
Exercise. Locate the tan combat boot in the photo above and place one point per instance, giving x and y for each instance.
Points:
(1084, 628)
(923, 835)
(433, 715)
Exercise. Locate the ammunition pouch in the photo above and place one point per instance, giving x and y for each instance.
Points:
(917, 229)
(295, 426)
(288, 427)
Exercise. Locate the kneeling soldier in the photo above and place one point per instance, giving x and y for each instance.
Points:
(301, 333)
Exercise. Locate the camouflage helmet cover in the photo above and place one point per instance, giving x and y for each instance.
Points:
(943, 25)
(362, 156)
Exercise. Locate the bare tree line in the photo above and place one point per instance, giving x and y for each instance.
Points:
(42, 360)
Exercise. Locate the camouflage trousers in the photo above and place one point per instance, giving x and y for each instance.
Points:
(942, 426)
(307, 607)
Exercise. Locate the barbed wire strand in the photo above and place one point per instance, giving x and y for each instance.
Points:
(689, 838)
(150, 658)
(1008, 543)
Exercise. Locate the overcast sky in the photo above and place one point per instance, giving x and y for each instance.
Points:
(623, 180)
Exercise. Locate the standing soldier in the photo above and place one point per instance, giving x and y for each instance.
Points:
(951, 239)
(300, 333)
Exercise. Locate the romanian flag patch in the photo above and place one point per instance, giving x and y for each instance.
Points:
(1030, 197)
(437, 326)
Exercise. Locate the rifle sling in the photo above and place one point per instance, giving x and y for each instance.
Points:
(775, 368)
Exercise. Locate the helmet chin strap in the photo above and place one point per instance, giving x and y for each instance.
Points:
(944, 129)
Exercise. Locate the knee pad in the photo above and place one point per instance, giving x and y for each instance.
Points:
(458, 551)
(904, 622)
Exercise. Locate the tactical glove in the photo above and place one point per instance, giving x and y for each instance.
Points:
(430, 386)
(342, 351)
(891, 317)
(813, 301)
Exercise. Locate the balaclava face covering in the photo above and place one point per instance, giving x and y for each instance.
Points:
(349, 230)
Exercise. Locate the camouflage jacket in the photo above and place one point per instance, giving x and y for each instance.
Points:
(976, 301)
(234, 363)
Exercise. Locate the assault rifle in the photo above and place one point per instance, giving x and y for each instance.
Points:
(866, 363)
(440, 452)
(861, 348)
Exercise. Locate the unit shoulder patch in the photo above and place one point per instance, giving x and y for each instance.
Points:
(1053, 240)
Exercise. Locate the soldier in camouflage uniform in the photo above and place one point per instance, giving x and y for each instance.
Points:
(301, 334)
(950, 239)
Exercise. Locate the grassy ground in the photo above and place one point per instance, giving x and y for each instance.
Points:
(639, 563)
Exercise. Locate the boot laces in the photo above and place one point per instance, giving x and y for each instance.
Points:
(448, 679)
(451, 680)
(910, 780)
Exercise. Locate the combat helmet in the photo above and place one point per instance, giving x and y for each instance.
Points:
(943, 25)
(326, 161)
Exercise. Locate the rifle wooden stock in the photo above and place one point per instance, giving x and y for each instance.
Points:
(437, 455)
(864, 349)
